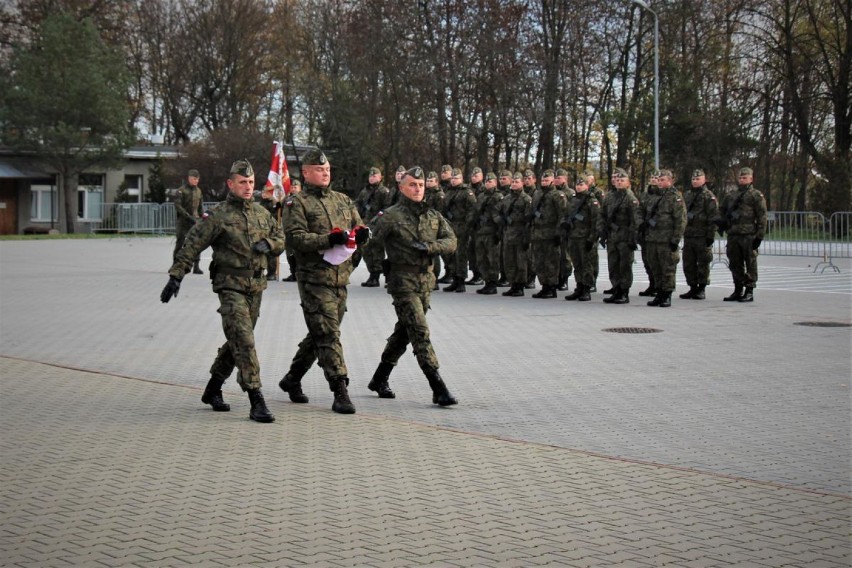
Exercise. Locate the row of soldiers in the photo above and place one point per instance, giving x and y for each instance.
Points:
(512, 228)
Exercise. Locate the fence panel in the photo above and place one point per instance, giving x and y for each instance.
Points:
(794, 233)
(156, 218)
(839, 238)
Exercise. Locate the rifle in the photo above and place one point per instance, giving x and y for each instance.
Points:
(731, 214)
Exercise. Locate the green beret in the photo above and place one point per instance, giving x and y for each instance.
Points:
(620, 172)
(416, 172)
(581, 180)
(314, 157)
(193, 173)
(589, 173)
(433, 174)
(476, 170)
(746, 172)
(529, 173)
(243, 168)
(401, 169)
(491, 175)
(517, 175)
(505, 173)
(547, 173)
(375, 172)
(665, 173)
(456, 172)
(697, 173)
(446, 168)
(562, 172)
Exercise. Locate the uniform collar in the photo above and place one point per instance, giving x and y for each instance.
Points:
(239, 201)
(316, 190)
(416, 207)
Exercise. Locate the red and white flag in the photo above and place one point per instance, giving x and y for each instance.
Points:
(278, 182)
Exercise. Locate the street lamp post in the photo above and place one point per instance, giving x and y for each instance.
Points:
(644, 4)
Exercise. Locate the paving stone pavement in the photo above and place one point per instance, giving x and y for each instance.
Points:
(723, 440)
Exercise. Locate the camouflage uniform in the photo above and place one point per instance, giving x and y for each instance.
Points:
(650, 194)
(312, 215)
(565, 266)
(745, 221)
(434, 198)
(237, 274)
(460, 202)
(548, 208)
(486, 220)
(370, 201)
(702, 210)
(515, 209)
(617, 227)
(188, 212)
(599, 195)
(664, 225)
(582, 222)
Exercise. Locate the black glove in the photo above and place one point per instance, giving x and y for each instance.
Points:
(673, 246)
(422, 247)
(362, 235)
(338, 237)
(566, 225)
(708, 242)
(262, 247)
(755, 244)
(171, 289)
(603, 243)
(590, 245)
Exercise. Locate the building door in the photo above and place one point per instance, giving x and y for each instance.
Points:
(8, 207)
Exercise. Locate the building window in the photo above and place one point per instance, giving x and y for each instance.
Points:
(40, 205)
(90, 197)
(133, 183)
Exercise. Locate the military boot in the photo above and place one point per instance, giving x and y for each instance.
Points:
(547, 291)
(650, 291)
(614, 293)
(658, 298)
(738, 293)
(446, 278)
(623, 296)
(575, 295)
(259, 412)
(690, 294)
(489, 288)
(453, 285)
(290, 278)
(460, 287)
(475, 280)
(213, 395)
(748, 295)
(562, 285)
(342, 404)
(585, 296)
(196, 269)
(515, 291)
(699, 292)
(440, 394)
(372, 281)
(292, 385)
(379, 382)
(665, 299)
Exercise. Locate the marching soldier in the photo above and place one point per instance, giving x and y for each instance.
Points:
(744, 219)
(665, 220)
(581, 228)
(702, 209)
(188, 210)
(617, 230)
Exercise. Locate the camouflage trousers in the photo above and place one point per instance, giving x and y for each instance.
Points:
(488, 257)
(239, 313)
(457, 262)
(566, 268)
(585, 260)
(742, 260)
(323, 308)
(411, 295)
(516, 259)
(663, 263)
(373, 255)
(619, 258)
(546, 258)
(697, 257)
(646, 264)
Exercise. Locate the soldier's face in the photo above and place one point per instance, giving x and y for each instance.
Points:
(517, 185)
(446, 175)
(192, 180)
(546, 181)
(398, 176)
(698, 181)
(412, 188)
(581, 186)
(745, 179)
(296, 188)
(318, 175)
(241, 186)
(455, 181)
(476, 178)
(375, 178)
(431, 182)
(560, 180)
(505, 180)
(529, 181)
(491, 183)
(664, 182)
(620, 182)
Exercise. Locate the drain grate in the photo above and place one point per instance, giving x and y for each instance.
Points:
(632, 330)
(822, 324)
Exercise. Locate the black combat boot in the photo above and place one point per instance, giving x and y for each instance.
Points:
(196, 269)
(699, 292)
(489, 289)
(650, 291)
(658, 298)
(748, 295)
(614, 293)
(259, 412)
(291, 278)
(379, 382)
(515, 291)
(585, 296)
(738, 293)
(689, 295)
(475, 280)
(575, 295)
(213, 395)
(453, 285)
(342, 404)
(292, 385)
(665, 299)
(460, 287)
(372, 281)
(623, 296)
(440, 394)
(547, 291)
(446, 278)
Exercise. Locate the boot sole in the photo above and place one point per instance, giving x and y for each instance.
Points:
(262, 420)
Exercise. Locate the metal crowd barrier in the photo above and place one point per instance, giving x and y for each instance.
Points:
(156, 218)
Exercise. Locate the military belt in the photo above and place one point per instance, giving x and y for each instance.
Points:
(411, 268)
(244, 272)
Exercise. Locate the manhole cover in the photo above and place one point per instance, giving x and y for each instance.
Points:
(823, 324)
(632, 330)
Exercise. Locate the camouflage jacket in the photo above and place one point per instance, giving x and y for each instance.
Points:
(459, 203)
(188, 205)
(620, 217)
(664, 217)
(516, 209)
(584, 210)
(311, 216)
(487, 217)
(702, 209)
(371, 200)
(548, 208)
(231, 230)
(744, 211)
(435, 198)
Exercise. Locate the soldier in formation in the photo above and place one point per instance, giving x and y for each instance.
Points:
(617, 230)
(580, 227)
(460, 203)
(548, 208)
(514, 212)
(702, 210)
(486, 223)
(744, 218)
(371, 200)
(188, 212)
(664, 223)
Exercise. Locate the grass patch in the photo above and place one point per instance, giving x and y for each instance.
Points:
(60, 236)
